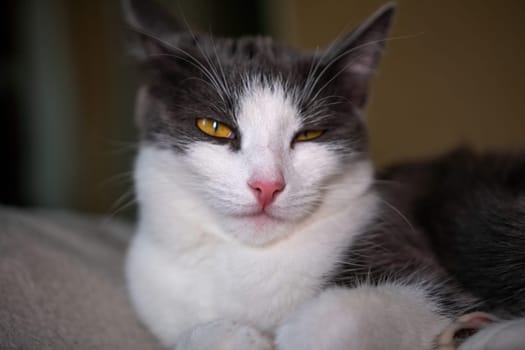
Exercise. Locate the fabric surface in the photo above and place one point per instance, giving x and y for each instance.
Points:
(62, 287)
(62, 284)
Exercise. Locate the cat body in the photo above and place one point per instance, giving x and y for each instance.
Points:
(182, 278)
(259, 212)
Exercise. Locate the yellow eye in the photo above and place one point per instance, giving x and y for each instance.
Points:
(214, 128)
(308, 135)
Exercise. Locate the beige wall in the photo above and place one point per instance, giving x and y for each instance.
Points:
(456, 76)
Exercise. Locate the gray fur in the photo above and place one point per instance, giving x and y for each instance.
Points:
(455, 224)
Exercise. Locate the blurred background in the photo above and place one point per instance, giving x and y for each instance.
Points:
(453, 74)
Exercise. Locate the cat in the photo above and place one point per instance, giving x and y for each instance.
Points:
(262, 223)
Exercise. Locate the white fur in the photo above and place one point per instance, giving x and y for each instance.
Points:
(366, 318)
(197, 258)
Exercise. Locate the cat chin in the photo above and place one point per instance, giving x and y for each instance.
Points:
(257, 230)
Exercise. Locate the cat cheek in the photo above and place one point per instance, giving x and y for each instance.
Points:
(314, 163)
(213, 161)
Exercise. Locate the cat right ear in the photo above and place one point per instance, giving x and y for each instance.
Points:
(151, 30)
(357, 54)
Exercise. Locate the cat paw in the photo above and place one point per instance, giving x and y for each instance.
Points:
(364, 318)
(224, 335)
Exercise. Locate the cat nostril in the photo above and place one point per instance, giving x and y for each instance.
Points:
(266, 191)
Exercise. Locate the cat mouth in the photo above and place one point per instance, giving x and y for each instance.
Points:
(260, 215)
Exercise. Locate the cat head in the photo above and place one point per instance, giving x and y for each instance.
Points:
(259, 136)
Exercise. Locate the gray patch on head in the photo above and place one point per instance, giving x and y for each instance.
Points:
(190, 77)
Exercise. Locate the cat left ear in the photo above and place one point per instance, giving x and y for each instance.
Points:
(152, 29)
(358, 53)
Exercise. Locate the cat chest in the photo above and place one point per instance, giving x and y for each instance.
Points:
(174, 290)
(258, 290)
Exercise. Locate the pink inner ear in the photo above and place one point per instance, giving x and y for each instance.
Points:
(364, 65)
(481, 318)
(464, 327)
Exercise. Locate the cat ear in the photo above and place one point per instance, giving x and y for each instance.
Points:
(357, 54)
(151, 29)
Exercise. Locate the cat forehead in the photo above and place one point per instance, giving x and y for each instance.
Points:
(266, 109)
(245, 48)
(248, 73)
(243, 57)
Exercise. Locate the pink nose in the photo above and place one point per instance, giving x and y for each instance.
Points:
(266, 191)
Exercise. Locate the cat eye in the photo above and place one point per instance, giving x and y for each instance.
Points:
(215, 128)
(308, 135)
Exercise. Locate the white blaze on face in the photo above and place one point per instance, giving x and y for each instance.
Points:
(268, 120)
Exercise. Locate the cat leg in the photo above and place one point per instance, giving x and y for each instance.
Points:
(365, 318)
(223, 335)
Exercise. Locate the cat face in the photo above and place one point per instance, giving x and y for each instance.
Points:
(258, 136)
